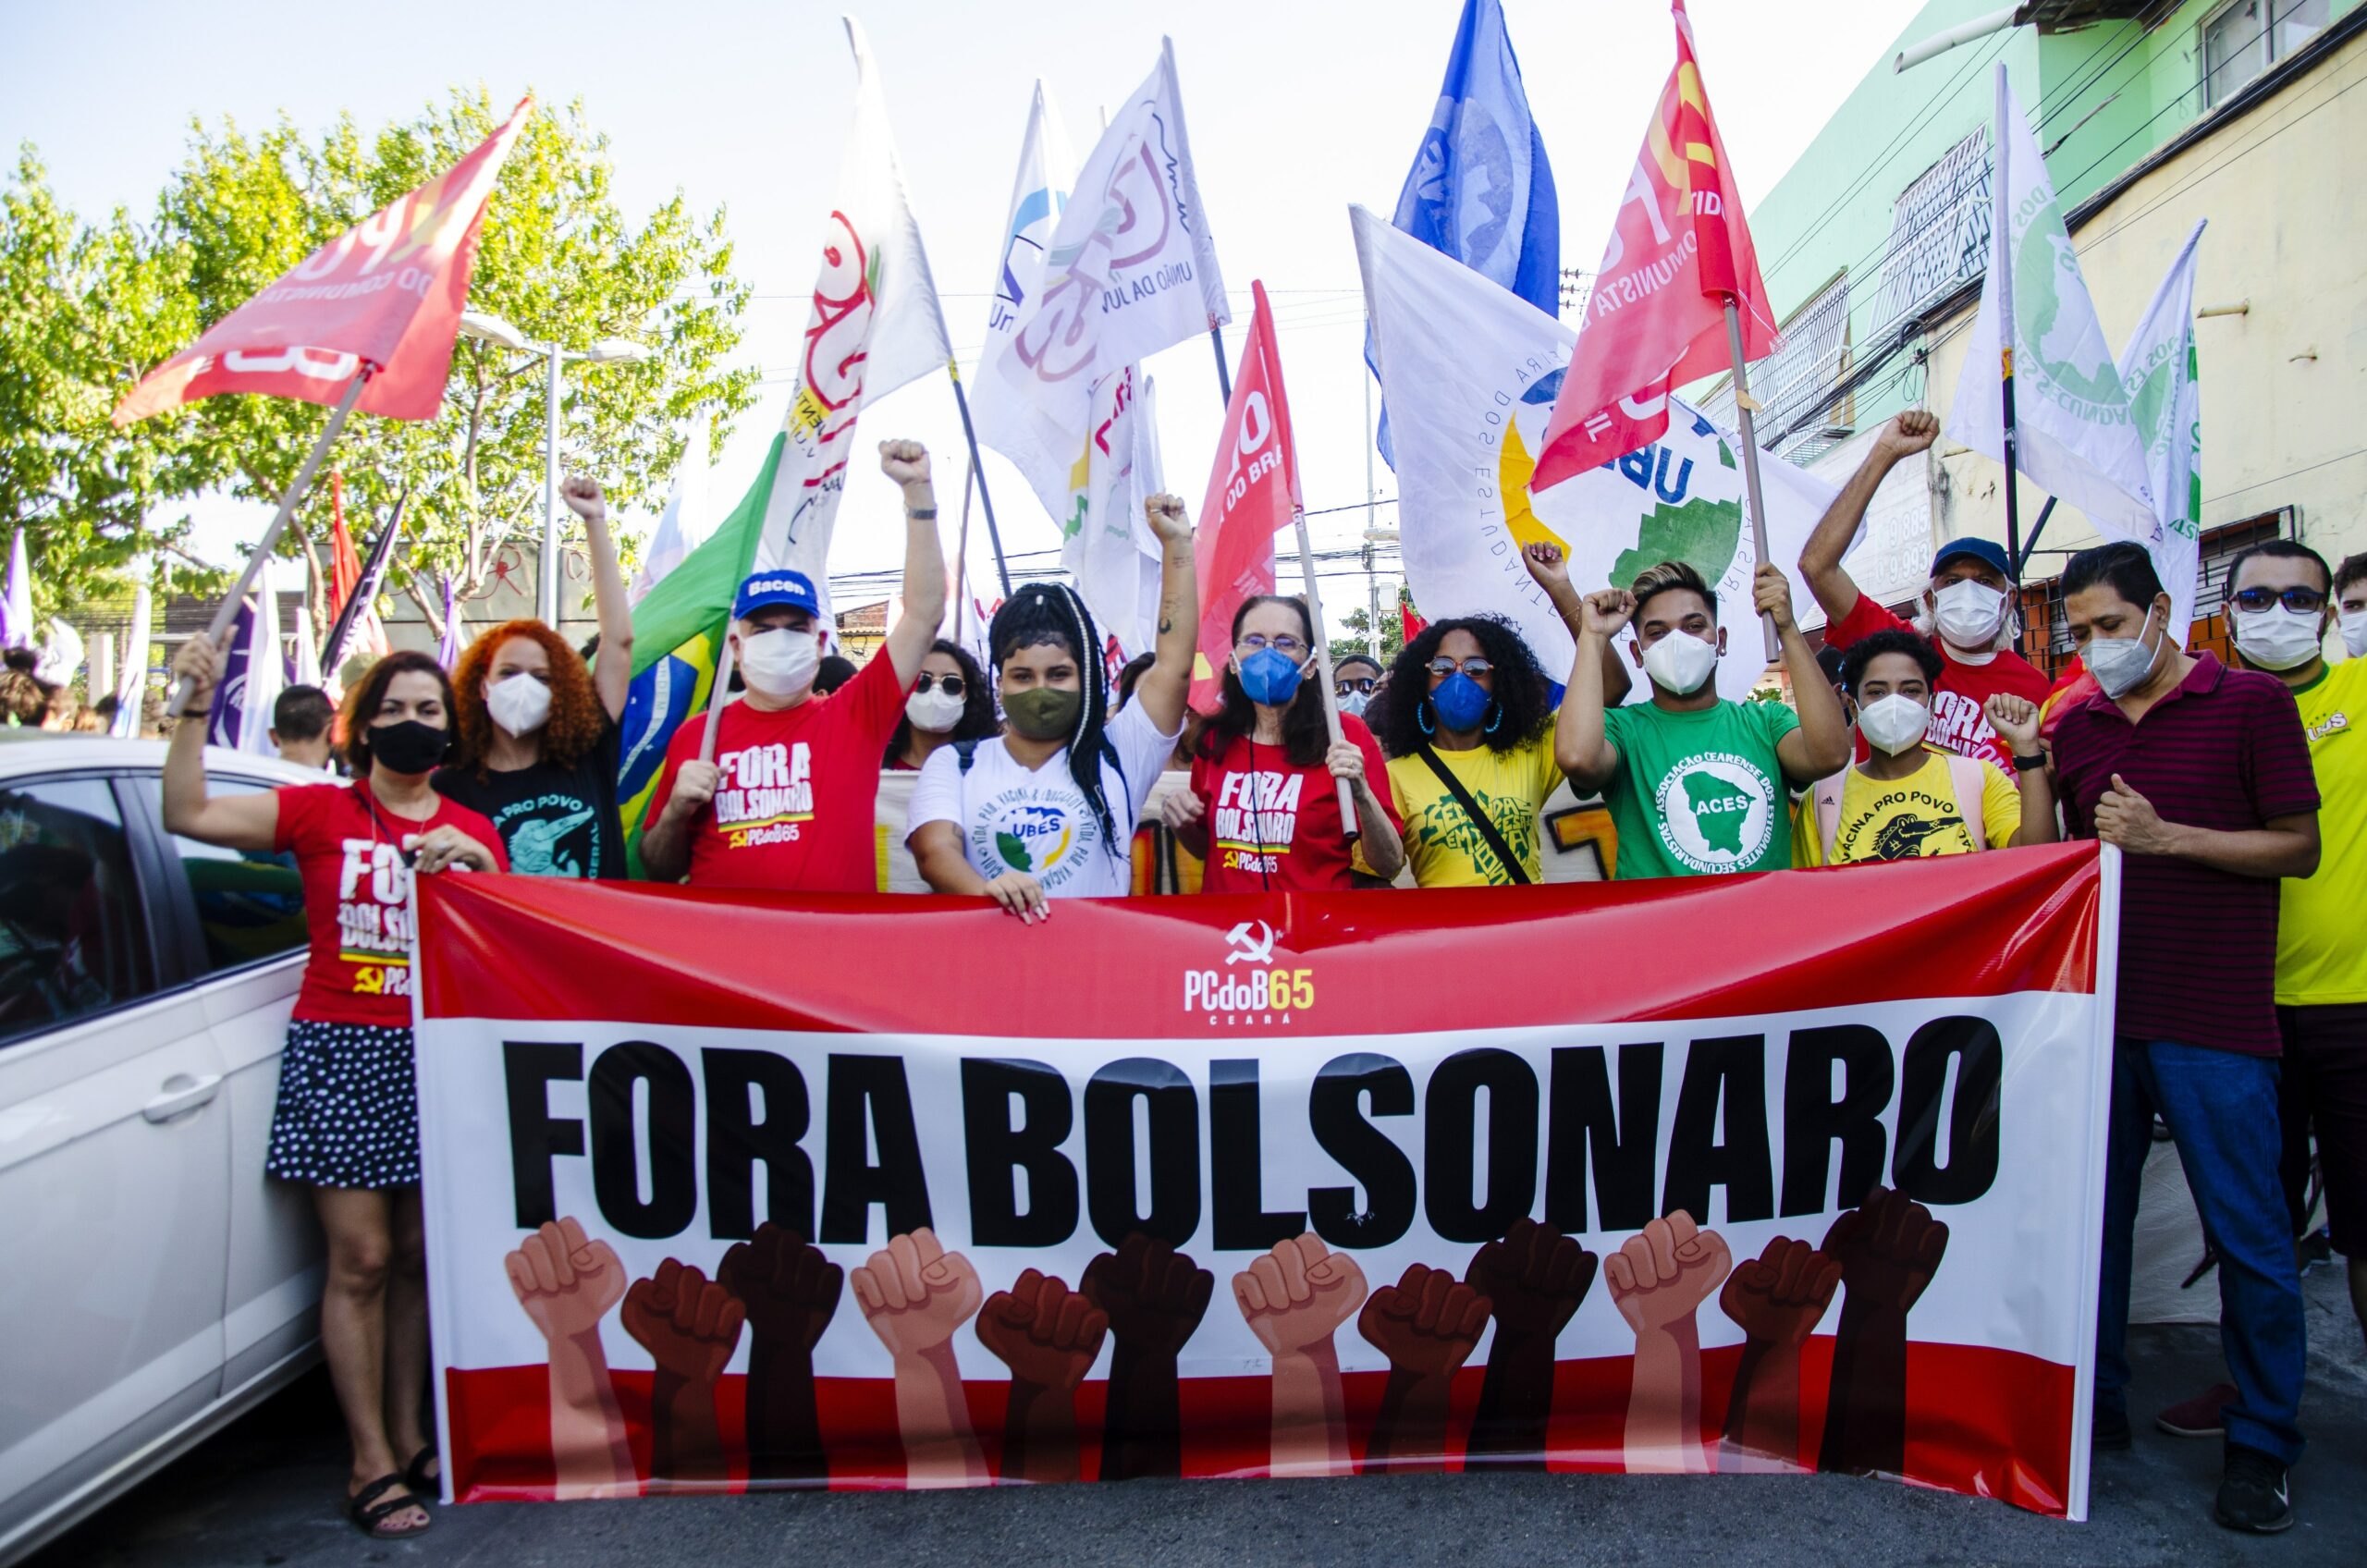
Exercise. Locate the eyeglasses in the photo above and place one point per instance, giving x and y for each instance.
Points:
(951, 685)
(1348, 683)
(1288, 646)
(1473, 666)
(2301, 601)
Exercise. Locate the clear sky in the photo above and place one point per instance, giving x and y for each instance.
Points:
(1296, 108)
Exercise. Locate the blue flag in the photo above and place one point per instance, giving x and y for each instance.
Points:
(1480, 190)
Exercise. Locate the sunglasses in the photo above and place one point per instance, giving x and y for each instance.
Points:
(1473, 666)
(1364, 684)
(2301, 601)
(951, 685)
(1288, 646)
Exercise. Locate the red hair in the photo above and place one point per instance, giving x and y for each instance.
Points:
(577, 718)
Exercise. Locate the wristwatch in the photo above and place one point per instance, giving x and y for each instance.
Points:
(2029, 764)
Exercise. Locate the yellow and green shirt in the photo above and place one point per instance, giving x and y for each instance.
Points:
(2321, 930)
(1444, 848)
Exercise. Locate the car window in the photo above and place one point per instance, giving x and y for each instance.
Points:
(71, 940)
(250, 905)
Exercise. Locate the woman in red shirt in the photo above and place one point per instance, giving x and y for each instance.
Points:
(346, 1121)
(1263, 812)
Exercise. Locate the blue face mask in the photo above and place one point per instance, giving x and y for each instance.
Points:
(1460, 701)
(1271, 678)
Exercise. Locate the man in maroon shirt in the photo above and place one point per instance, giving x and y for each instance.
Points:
(2200, 775)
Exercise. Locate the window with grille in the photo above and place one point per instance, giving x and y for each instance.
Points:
(1796, 385)
(1939, 233)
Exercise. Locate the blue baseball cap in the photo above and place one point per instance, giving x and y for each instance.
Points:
(763, 589)
(1986, 551)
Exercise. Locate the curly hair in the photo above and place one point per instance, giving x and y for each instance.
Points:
(978, 721)
(1052, 613)
(1890, 639)
(363, 697)
(577, 718)
(1306, 736)
(1524, 698)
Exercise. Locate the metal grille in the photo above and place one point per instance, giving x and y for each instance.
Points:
(1939, 232)
(1798, 380)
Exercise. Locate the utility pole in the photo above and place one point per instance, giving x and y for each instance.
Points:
(1372, 583)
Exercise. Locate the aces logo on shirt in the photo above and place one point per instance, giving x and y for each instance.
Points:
(1717, 812)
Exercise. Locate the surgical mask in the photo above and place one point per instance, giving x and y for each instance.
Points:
(1357, 702)
(933, 711)
(1969, 614)
(1680, 662)
(780, 663)
(408, 746)
(520, 704)
(1042, 714)
(2277, 638)
(1461, 702)
(1894, 723)
(2354, 633)
(2121, 663)
(1271, 678)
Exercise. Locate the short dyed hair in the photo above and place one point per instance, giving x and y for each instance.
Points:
(1655, 580)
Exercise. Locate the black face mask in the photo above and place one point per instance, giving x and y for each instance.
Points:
(409, 746)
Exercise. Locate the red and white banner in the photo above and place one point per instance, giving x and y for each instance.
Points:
(1252, 495)
(387, 293)
(1799, 1171)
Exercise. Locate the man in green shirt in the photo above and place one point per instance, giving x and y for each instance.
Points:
(1695, 783)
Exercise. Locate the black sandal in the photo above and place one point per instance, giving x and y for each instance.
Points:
(370, 1516)
(415, 1473)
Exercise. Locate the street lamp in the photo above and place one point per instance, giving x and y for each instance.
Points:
(492, 329)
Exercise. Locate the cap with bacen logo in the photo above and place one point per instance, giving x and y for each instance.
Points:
(1987, 551)
(766, 590)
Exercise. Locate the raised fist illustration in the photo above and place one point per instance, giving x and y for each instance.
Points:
(1045, 1332)
(1781, 1296)
(1535, 1278)
(688, 1323)
(1154, 1295)
(914, 1294)
(1298, 1293)
(1428, 1323)
(1660, 1275)
(1888, 1248)
(565, 1281)
(790, 1291)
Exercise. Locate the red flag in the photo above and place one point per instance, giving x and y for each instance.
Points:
(344, 576)
(1656, 318)
(387, 293)
(1410, 624)
(1252, 495)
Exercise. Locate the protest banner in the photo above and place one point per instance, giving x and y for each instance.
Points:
(1229, 1186)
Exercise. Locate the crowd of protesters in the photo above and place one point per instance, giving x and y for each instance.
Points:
(2238, 794)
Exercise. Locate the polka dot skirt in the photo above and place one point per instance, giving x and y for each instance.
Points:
(348, 1108)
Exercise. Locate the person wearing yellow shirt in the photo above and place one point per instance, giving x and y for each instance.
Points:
(1908, 799)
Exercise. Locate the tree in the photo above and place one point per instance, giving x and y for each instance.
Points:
(1359, 623)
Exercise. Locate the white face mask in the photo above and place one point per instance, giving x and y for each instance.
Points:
(1894, 723)
(2121, 663)
(1357, 702)
(2354, 633)
(1680, 662)
(1969, 614)
(520, 704)
(2277, 638)
(780, 663)
(933, 711)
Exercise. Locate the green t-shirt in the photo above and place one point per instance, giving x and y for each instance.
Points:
(1700, 794)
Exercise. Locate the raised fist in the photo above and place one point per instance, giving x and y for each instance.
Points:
(906, 462)
(789, 1290)
(1907, 434)
(1534, 1278)
(1660, 1275)
(1780, 1296)
(1427, 1323)
(1297, 1293)
(581, 494)
(1167, 518)
(2015, 719)
(565, 1281)
(1888, 1248)
(689, 1324)
(1155, 1296)
(916, 1294)
(1604, 612)
(1547, 564)
(1045, 1332)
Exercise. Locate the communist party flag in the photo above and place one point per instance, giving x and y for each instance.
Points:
(1252, 495)
(1656, 318)
(385, 296)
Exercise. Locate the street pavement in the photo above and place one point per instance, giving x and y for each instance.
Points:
(264, 1494)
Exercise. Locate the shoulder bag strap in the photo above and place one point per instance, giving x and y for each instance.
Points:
(1494, 839)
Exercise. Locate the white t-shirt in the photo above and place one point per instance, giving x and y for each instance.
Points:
(1040, 823)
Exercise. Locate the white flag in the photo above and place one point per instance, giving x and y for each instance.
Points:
(267, 666)
(1470, 370)
(874, 326)
(2072, 435)
(1108, 548)
(2158, 371)
(131, 689)
(686, 520)
(1004, 419)
(1131, 269)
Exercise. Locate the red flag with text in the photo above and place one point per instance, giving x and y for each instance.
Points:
(387, 293)
(1252, 495)
(1656, 317)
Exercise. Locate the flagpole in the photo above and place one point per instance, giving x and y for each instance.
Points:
(2001, 248)
(228, 610)
(1743, 406)
(994, 535)
(1224, 376)
(365, 589)
(962, 552)
(714, 699)
(1350, 828)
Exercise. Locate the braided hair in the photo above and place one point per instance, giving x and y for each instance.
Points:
(1051, 613)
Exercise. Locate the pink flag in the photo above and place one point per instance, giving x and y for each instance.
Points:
(1252, 495)
(387, 294)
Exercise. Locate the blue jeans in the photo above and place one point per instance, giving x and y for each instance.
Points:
(2220, 1108)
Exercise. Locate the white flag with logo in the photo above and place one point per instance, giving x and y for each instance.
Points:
(1470, 370)
(2072, 434)
(1131, 269)
(1005, 419)
(874, 326)
(2158, 371)
(1109, 547)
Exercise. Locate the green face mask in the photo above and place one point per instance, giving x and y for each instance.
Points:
(1041, 713)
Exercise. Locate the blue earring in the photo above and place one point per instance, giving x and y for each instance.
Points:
(1422, 716)
(1499, 709)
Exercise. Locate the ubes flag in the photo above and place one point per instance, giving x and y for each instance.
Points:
(2159, 371)
(1107, 544)
(1656, 317)
(999, 405)
(386, 294)
(1252, 495)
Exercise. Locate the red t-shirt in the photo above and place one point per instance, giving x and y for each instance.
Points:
(357, 897)
(793, 808)
(1274, 825)
(1957, 722)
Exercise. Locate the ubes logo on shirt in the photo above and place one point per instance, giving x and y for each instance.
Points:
(1252, 995)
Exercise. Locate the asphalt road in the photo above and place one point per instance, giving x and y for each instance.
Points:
(264, 1494)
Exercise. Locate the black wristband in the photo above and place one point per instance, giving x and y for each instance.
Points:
(924, 513)
(2029, 764)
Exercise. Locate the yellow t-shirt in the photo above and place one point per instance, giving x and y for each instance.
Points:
(1445, 849)
(1907, 819)
(2321, 931)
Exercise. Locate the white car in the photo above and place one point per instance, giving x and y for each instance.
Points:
(154, 1284)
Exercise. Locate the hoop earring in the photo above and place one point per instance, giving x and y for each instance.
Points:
(1492, 723)
(1422, 716)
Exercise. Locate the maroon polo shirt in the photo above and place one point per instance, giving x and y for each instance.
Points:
(2197, 946)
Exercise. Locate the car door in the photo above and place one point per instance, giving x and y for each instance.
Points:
(114, 1155)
